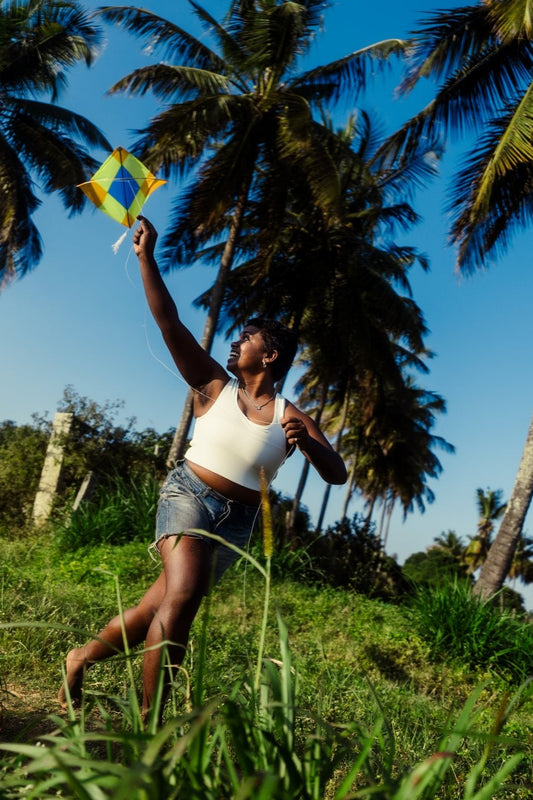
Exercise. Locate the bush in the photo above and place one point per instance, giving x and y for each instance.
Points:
(350, 555)
(433, 568)
(22, 450)
(458, 624)
(123, 512)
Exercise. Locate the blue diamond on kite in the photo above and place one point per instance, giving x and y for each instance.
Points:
(121, 186)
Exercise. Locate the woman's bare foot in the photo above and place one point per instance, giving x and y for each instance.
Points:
(76, 666)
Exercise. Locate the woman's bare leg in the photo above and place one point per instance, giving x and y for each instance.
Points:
(111, 640)
(186, 565)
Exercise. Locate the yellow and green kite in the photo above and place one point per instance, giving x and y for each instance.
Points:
(121, 186)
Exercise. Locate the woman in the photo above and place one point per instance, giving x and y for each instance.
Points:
(241, 426)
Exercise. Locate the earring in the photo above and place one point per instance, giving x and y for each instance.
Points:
(264, 364)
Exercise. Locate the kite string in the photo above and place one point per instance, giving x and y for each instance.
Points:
(156, 358)
(173, 372)
(127, 271)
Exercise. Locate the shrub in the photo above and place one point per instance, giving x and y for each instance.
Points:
(22, 450)
(124, 512)
(458, 624)
(434, 567)
(350, 554)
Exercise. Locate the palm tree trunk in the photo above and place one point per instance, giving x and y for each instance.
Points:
(323, 507)
(348, 495)
(303, 476)
(371, 504)
(179, 441)
(497, 564)
(338, 443)
(382, 518)
(390, 509)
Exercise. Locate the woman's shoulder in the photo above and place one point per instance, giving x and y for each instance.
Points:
(206, 396)
(293, 410)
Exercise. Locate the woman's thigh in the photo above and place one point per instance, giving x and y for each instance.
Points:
(186, 566)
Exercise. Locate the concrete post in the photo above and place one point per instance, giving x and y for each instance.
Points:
(53, 460)
(86, 489)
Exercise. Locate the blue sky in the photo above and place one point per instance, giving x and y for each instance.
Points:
(80, 318)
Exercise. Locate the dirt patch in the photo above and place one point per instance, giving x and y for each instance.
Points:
(24, 715)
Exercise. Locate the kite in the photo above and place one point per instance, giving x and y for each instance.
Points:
(121, 186)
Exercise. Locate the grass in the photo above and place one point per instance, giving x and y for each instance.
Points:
(459, 625)
(363, 705)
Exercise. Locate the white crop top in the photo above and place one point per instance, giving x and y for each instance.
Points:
(225, 441)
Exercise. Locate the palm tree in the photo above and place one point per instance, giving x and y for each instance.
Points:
(476, 552)
(41, 144)
(232, 108)
(522, 563)
(353, 307)
(451, 543)
(490, 509)
(482, 54)
(395, 446)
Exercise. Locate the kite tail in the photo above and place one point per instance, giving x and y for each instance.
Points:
(119, 241)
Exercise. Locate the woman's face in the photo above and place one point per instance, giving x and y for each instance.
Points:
(248, 351)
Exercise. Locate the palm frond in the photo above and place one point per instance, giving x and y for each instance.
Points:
(177, 137)
(58, 162)
(511, 19)
(511, 209)
(446, 41)
(227, 38)
(55, 37)
(411, 173)
(174, 42)
(171, 82)
(467, 100)
(219, 184)
(60, 119)
(291, 30)
(20, 243)
(297, 147)
(491, 196)
(349, 73)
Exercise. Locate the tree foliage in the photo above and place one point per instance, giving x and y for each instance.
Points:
(481, 56)
(22, 449)
(96, 443)
(42, 145)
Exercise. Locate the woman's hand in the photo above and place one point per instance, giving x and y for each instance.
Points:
(301, 431)
(144, 238)
(295, 431)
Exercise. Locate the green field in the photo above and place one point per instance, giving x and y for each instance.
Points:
(355, 698)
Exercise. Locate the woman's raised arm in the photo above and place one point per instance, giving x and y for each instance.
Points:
(196, 366)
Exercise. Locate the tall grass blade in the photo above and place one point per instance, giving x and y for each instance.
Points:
(268, 544)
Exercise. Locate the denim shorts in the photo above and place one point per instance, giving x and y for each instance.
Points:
(186, 502)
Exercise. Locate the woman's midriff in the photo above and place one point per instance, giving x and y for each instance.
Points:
(231, 490)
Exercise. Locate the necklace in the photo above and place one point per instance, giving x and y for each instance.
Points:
(261, 407)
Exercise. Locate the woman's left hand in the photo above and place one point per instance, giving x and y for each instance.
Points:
(295, 431)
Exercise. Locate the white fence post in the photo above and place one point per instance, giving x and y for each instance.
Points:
(53, 460)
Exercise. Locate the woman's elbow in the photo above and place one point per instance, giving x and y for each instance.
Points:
(341, 479)
(338, 475)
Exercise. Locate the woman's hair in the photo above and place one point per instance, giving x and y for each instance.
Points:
(277, 337)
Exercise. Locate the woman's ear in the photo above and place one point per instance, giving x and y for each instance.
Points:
(271, 357)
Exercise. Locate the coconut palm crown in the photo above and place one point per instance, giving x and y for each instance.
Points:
(41, 144)
(238, 103)
(481, 55)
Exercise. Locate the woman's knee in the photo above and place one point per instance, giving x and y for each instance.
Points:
(182, 599)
